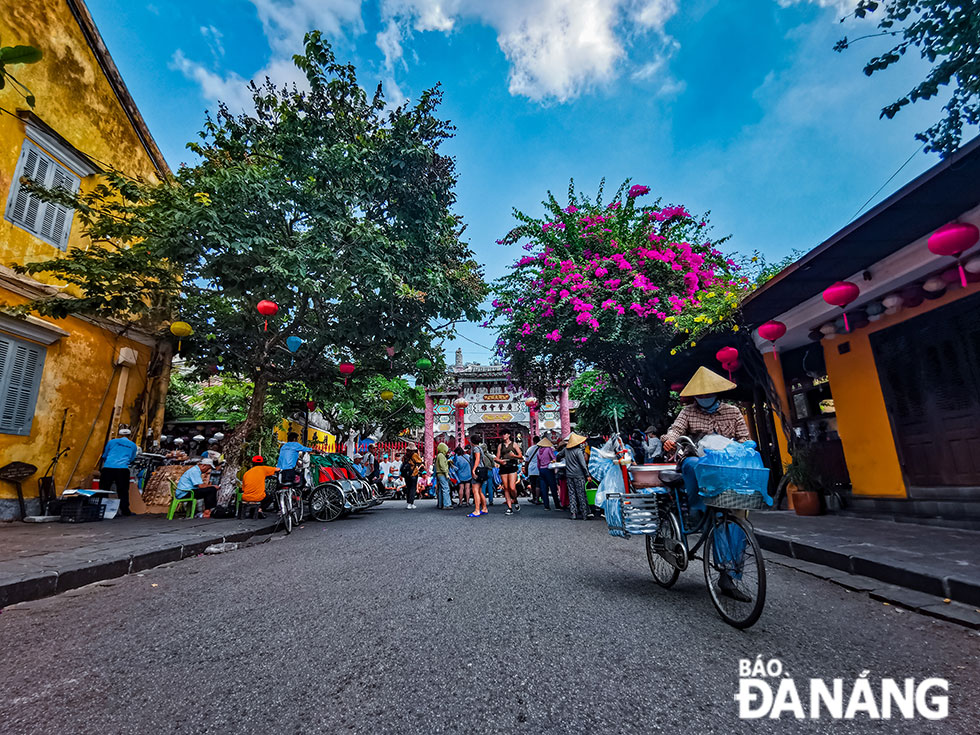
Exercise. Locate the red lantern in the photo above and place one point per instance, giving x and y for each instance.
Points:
(771, 331)
(677, 387)
(952, 239)
(841, 294)
(346, 369)
(726, 356)
(267, 308)
(310, 405)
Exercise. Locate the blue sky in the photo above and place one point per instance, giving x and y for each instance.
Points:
(740, 107)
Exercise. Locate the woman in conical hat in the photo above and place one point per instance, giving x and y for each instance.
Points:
(708, 415)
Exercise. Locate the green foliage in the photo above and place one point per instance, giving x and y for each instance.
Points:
(179, 397)
(321, 201)
(947, 34)
(13, 55)
(363, 411)
(600, 403)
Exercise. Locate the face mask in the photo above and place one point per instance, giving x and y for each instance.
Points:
(708, 403)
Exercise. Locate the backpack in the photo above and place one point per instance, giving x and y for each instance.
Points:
(406, 467)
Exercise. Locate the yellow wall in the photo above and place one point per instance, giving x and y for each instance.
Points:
(314, 436)
(76, 100)
(862, 419)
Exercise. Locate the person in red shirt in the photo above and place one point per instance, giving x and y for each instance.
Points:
(253, 484)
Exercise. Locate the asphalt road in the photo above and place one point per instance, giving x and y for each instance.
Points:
(425, 622)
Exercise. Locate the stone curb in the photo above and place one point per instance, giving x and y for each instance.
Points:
(891, 573)
(50, 582)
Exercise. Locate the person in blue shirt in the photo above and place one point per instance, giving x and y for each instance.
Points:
(197, 478)
(116, 458)
(289, 452)
(359, 465)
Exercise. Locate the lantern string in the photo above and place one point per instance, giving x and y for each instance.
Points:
(847, 327)
(959, 264)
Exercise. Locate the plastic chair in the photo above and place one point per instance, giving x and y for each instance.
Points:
(175, 502)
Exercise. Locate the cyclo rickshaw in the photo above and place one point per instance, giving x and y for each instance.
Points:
(655, 506)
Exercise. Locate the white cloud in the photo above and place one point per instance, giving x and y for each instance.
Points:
(557, 49)
(213, 37)
(843, 7)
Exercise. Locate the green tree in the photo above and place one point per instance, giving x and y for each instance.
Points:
(364, 411)
(600, 404)
(322, 201)
(947, 34)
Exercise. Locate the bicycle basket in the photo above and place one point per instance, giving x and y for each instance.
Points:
(736, 501)
(633, 513)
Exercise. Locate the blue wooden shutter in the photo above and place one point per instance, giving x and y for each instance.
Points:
(21, 364)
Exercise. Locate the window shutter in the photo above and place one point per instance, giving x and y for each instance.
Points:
(51, 222)
(20, 376)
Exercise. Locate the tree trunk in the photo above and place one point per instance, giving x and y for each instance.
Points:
(236, 441)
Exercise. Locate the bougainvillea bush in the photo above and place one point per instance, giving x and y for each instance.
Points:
(613, 285)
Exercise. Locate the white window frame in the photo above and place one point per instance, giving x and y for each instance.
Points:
(55, 174)
(29, 392)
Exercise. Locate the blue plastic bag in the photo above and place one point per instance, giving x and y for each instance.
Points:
(737, 467)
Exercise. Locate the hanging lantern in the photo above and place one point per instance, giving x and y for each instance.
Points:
(181, 330)
(532, 403)
(293, 343)
(676, 387)
(934, 285)
(726, 356)
(423, 363)
(841, 294)
(387, 395)
(875, 310)
(771, 331)
(972, 265)
(859, 318)
(815, 335)
(346, 369)
(828, 329)
(953, 239)
(267, 308)
(310, 405)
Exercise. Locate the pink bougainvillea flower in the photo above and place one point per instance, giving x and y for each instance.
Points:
(638, 190)
(553, 336)
(571, 209)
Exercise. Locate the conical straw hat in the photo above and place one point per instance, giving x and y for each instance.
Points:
(546, 442)
(574, 440)
(705, 383)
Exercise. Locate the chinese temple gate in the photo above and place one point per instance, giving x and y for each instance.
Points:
(476, 399)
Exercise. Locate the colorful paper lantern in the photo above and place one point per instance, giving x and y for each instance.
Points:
(858, 318)
(181, 330)
(423, 363)
(387, 395)
(310, 405)
(346, 369)
(892, 301)
(771, 331)
(841, 294)
(267, 308)
(828, 329)
(676, 387)
(531, 402)
(726, 356)
(293, 343)
(934, 284)
(953, 239)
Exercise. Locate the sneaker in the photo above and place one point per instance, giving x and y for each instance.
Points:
(517, 508)
(508, 512)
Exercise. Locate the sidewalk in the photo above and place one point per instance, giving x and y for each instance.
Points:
(43, 559)
(911, 565)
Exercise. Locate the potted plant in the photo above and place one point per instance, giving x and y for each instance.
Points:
(802, 483)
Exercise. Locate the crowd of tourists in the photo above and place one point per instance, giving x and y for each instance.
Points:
(550, 472)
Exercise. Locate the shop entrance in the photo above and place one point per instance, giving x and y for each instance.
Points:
(929, 368)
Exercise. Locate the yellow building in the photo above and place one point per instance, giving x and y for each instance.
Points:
(889, 404)
(81, 375)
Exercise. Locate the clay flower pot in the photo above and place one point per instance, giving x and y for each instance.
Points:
(805, 502)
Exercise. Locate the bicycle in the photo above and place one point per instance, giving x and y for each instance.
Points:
(723, 529)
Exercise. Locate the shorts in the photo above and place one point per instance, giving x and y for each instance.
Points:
(509, 468)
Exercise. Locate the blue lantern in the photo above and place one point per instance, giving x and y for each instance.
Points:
(294, 343)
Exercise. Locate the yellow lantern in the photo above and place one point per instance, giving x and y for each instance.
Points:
(181, 330)
(387, 395)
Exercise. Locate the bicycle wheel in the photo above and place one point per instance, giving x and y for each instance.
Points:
(326, 503)
(662, 550)
(299, 509)
(286, 511)
(739, 599)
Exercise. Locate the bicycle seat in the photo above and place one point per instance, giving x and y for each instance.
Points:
(671, 478)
